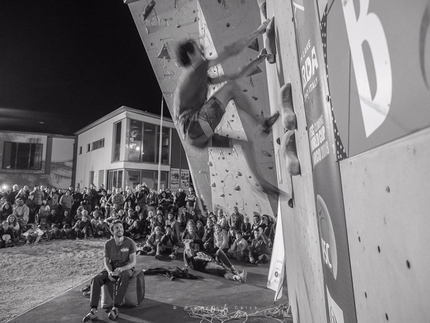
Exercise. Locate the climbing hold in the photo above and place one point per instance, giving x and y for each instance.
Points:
(222, 195)
(237, 188)
(227, 25)
(239, 174)
(210, 164)
(271, 41)
(226, 170)
(254, 45)
(289, 151)
(289, 120)
(257, 70)
(148, 9)
(290, 203)
(255, 98)
(266, 153)
(164, 53)
(213, 184)
(263, 9)
(278, 141)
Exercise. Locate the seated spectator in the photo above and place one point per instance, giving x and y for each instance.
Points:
(269, 230)
(46, 228)
(256, 222)
(168, 244)
(83, 228)
(200, 229)
(222, 220)
(220, 238)
(150, 247)
(204, 262)
(133, 230)
(33, 234)
(14, 226)
(171, 222)
(259, 251)
(5, 210)
(239, 249)
(246, 229)
(231, 236)
(6, 235)
(101, 229)
(208, 237)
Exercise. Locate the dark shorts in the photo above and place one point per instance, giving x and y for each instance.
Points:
(199, 125)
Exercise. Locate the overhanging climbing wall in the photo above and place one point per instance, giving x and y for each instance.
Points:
(214, 25)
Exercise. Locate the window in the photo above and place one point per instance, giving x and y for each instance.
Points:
(142, 142)
(114, 179)
(80, 150)
(88, 147)
(98, 144)
(22, 156)
(117, 141)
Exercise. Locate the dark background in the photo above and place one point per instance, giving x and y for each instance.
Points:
(66, 63)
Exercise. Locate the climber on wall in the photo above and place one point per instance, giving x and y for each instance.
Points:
(199, 117)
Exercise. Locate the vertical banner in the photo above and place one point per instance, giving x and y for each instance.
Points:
(185, 178)
(326, 173)
(174, 178)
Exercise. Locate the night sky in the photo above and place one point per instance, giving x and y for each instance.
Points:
(66, 63)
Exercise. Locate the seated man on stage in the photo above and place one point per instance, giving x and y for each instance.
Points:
(204, 262)
(198, 116)
(119, 263)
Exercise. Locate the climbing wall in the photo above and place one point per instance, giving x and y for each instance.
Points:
(214, 24)
(302, 246)
(388, 227)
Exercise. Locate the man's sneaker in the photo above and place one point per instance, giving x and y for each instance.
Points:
(243, 277)
(86, 294)
(92, 315)
(269, 122)
(87, 288)
(234, 270)
(113, 314)
(172, 256)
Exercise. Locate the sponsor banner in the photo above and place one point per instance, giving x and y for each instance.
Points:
(324, 155)
(379, 70)
(185, 178)
(174, 178)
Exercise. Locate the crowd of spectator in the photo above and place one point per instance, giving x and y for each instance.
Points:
(160, 221)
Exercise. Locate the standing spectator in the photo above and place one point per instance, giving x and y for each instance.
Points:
(246, 229)
(32, 207)
(66, 202)
(23, 193)
(117, 200)
(179, 200)
(190, 200)
(38, 197)
(44, 211)
(54, 200)
(12, 195)
(141, 196)
(236, 219)
(21, 212)
(152, 201)
(130, 198)
(269, 230)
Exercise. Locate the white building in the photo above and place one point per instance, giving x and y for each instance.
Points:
(122, 149)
